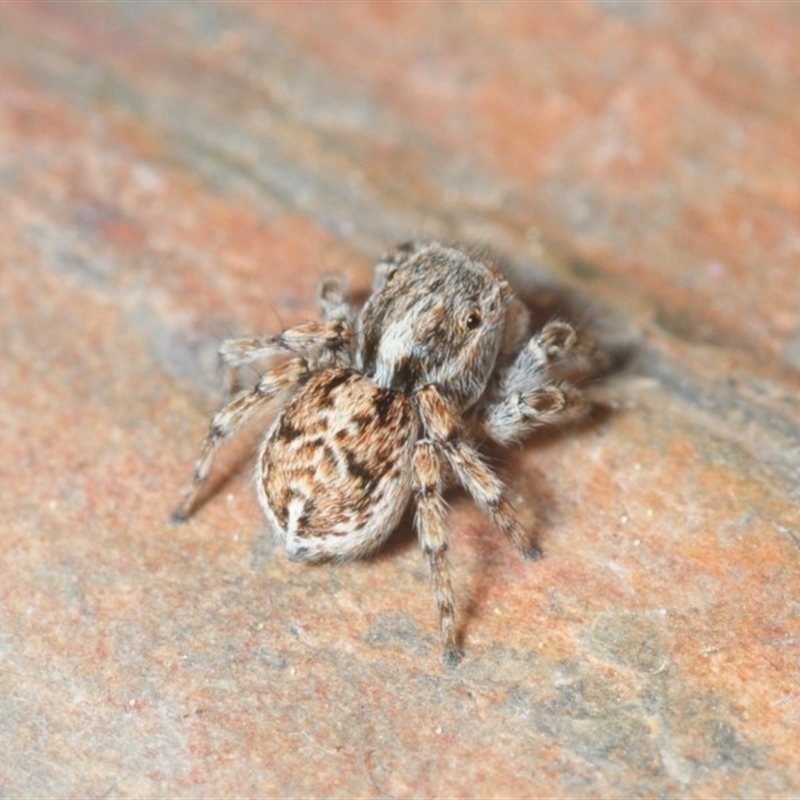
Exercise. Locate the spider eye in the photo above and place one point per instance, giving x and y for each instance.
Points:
(474, 320)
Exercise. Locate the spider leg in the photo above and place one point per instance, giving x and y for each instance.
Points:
(230, 418)
(516, 330)
(429, 520)
(315, 341)
(393, 260)
(334, 300)
(485, 488)
(531, 389)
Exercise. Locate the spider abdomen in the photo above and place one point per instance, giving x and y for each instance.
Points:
(334, 470)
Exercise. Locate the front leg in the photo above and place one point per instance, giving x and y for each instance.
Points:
(531, 391)
(429, 520)
(485, 488)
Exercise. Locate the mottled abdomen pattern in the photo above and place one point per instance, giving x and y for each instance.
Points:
(330, 471)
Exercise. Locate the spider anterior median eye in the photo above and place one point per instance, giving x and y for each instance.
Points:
(474, 320)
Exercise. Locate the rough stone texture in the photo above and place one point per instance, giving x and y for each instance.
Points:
(173, 173)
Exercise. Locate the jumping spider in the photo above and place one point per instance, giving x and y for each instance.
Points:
(389, 404)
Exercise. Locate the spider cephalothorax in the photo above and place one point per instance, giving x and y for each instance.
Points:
(440, 319)
(383, 402)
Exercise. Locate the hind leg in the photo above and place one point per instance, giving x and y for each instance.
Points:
(429, 520)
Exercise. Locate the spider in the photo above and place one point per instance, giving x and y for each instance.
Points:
(387, 406)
